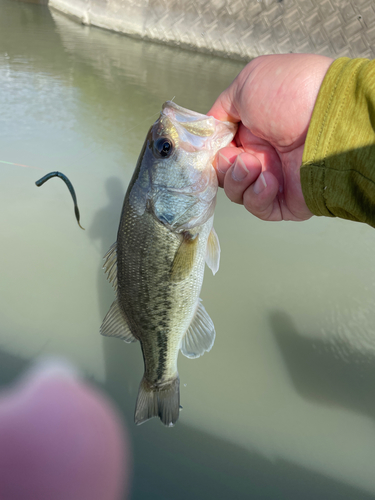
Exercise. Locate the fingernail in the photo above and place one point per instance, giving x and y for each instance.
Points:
(239, 171)
(260, 184)
(222, 163)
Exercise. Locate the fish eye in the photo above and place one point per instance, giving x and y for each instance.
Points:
(163, 147)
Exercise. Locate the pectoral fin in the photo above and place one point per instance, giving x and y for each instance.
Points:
(200, 336)
(184, 259)
(115, 324)
(213, 252)
(110, 265)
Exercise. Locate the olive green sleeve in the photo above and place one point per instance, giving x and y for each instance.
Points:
(338, 164)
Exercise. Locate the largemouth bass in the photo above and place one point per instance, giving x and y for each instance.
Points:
(164, 239)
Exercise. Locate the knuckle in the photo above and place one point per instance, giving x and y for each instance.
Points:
(235, 195)
(259, 208)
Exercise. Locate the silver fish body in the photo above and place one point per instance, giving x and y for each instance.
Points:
(164, 239)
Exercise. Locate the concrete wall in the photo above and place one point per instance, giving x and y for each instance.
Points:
(239, 29)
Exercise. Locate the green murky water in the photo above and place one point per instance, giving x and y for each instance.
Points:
(283, 407)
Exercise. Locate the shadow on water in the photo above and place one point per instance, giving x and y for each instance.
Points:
(318, 373)
(106, 220)
(103, 231)
(11, 367)
(193, 464)
(187, 463)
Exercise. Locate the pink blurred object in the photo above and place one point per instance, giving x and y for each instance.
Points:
(60, 439)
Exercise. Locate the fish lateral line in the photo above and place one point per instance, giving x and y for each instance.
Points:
(69, 185)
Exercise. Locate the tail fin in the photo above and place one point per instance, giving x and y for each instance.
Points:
(163, 402)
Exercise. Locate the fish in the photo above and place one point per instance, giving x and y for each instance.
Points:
(164, 239)
(69, 185)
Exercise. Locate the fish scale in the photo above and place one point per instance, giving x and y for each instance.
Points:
(148, 297)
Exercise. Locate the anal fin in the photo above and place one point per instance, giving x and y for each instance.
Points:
(200, 336)
(115, 324)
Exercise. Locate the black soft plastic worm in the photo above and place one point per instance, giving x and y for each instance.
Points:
(44, 179)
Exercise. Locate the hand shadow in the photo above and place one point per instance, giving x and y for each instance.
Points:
(318, 373)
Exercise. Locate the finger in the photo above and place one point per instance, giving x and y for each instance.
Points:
(242, 174)
(60, 438)
(224, 160)
(260, 198)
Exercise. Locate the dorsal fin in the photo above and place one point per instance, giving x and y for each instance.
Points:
(110, 265)
(200, 336)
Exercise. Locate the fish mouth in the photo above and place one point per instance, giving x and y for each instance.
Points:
(184, 115)
(197, 131)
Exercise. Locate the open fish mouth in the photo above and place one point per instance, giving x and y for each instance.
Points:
(183, 115)
(195, 130)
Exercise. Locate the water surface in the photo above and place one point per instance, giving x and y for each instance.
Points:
(283, 406)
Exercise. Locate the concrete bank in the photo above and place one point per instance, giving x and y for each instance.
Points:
(240, 29)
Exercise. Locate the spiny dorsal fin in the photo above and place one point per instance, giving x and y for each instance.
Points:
(200, 336)
(116, 325)
(110, 265)
(213, 252)
(184, 259)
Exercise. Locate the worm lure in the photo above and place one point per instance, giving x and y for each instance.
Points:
(44, 179)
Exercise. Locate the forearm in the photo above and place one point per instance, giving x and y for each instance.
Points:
(338, 164)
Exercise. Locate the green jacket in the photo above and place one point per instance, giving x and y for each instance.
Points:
(338, 164)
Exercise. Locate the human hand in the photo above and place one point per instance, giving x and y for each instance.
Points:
(273, 99)
(60, 439)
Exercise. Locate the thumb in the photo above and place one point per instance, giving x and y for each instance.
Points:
(224, 108)
(60, 438)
